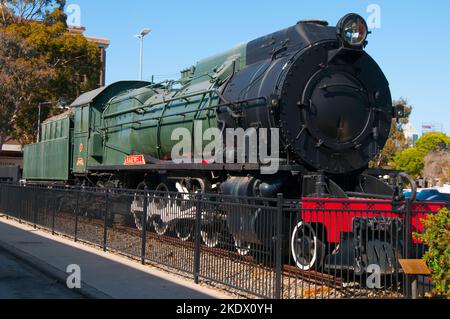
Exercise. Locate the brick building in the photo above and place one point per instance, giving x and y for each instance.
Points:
(102, 43)
(11, 154)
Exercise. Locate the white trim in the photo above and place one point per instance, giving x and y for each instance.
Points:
(11, 148)
(313, 261)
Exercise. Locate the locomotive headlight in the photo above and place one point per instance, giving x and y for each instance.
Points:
(352, 30)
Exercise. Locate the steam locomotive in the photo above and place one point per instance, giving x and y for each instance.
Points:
(315, 84)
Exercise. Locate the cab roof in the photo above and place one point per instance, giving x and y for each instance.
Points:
(105, 93)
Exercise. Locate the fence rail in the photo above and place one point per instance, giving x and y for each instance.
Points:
(268, 248)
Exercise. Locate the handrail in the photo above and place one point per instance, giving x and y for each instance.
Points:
(217, 107)
(180, 97)
(413, 185)
(121, 100)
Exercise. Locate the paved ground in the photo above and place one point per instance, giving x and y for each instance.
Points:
(20, 281)
(103, 275)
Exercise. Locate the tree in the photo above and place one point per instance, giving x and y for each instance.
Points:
(22, 74)
(437, 166)
(412, 160)
(397, 141)
(39, 62)
(433, 141)
(74, 61)
(436, 237)
(19, 11)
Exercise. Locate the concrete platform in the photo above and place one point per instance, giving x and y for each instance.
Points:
(103, 275)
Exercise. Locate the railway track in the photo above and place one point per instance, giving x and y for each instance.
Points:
(314, 277)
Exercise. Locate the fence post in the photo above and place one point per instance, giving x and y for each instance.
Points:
(8, 198)
(105, 221)
(408, 243)
(35, 210)
(279, 247)
(2, 209)
(53, 213)
(5, 203)
(198, 223)
(144, 226)
(77, 207)
(1, 198)
(17, 205)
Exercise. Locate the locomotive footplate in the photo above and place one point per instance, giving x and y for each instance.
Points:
(375, 242)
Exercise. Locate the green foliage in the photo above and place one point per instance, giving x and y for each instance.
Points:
(41, 62)
(412, 160)
(437, 237)
(397, 141)
(22, 75)
(20, 11)
(434, 141)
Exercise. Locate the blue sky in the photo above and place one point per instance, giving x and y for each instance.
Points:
(412, 46)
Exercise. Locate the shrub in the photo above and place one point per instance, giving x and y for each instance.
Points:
(436, 236)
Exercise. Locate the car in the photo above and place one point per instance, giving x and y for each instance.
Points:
(430, 195)
(426, 194)
(441, 197)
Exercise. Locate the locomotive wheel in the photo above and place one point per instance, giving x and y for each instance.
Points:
(211, 230)
(184, 230)
(243, 248)
(162, 203)
(210, 237)
(138, 201)
(308, 250)
(117, 217)
(160, 226)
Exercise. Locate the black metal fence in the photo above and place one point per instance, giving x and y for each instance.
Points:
(269, 248)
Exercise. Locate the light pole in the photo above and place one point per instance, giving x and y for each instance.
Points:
(62, 104)
(141, 36)
(38, 139)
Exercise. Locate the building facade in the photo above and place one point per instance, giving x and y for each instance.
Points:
(11, 154)
(102, 43)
